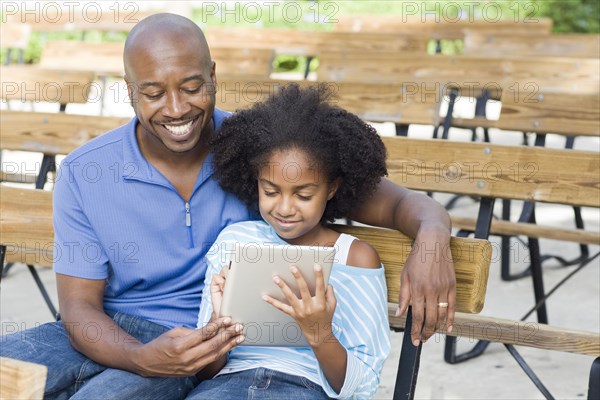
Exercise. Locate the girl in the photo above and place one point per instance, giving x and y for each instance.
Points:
(301, 162)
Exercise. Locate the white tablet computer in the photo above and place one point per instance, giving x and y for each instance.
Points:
(250, 276)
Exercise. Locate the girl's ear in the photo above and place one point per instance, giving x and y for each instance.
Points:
(333, 187)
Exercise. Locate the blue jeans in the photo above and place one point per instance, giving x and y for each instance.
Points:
(73, 375)
(258, 383)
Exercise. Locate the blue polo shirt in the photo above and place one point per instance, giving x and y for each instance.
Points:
(117, 218)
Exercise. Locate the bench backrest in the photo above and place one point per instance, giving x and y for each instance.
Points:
(492, 43)
(543, 111)
(51, 133)
(401, 103)
(299, 42)
(482, 169)
(556, 74)
(26, 225)
(31, 83)
(107, 58)
(413, 20)
(471, 261)
(104, 59)
(26, 230)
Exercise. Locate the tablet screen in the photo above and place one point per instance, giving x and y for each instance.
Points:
(250, 276)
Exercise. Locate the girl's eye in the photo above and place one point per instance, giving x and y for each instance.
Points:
(270, 194)
(304, 198)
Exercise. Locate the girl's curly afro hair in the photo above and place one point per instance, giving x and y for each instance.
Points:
(293, 118)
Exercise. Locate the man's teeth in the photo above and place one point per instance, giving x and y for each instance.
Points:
(179, 130)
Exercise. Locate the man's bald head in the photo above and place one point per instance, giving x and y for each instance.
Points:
(165, 28)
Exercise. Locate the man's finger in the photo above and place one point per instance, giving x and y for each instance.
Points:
(431, 318)
(209, 330)
(404, 296)
(418, 311)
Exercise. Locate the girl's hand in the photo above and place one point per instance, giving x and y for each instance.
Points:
(312, 313)
(217, 285)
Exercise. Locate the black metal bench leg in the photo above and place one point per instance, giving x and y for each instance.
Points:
(43, 291)
(527, 369)
(408, 366)
(538, 279)
(482, 231)
(594, 385)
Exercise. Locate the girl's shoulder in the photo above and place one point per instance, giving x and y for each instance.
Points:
(363, 255)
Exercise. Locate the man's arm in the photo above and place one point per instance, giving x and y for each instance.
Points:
(428, 277)
(177, 352)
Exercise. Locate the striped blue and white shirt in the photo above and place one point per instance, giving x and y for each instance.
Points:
(360, 319)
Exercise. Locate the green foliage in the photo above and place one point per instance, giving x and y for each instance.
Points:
(572, 16)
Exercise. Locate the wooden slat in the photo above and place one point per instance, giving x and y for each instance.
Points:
(530, 334)
(412, 20)
(21, 380)
(400, 103)
(513, 73)
(51, 133)
(571, 114)
(520, 173)
(544, 111)
(17, 177)
(500, 227)
(492, 43)
(103, 59)
(31, 83)
(107, 58)
(471, 261)
(26, 225)
(241, 60)
(290, 41)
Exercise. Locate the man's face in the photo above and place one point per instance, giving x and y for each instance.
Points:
(172, 89)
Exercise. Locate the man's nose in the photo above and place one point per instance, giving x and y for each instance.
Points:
(176, 107)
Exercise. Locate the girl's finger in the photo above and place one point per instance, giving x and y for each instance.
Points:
(301, 282)
(279, 305)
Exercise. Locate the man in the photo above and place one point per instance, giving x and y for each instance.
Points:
(135, 213)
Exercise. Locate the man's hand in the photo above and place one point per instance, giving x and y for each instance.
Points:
(184, 352)
(428, 279)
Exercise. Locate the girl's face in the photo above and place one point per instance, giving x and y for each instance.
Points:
(292, 196)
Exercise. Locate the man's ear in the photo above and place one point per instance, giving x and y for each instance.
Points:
(333, 188)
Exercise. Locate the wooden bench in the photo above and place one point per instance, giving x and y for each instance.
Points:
(106, 59)
(35, 84)
(312, 43)
(403, 104)
(48, 133)
(500, 44)
(506, 172)
(445, 27)
(21, 380)
(514, 73)
(542, 111)
(27, 236)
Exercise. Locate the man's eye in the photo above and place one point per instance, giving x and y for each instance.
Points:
(192, 91)
(152, 96)
(269, 194)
